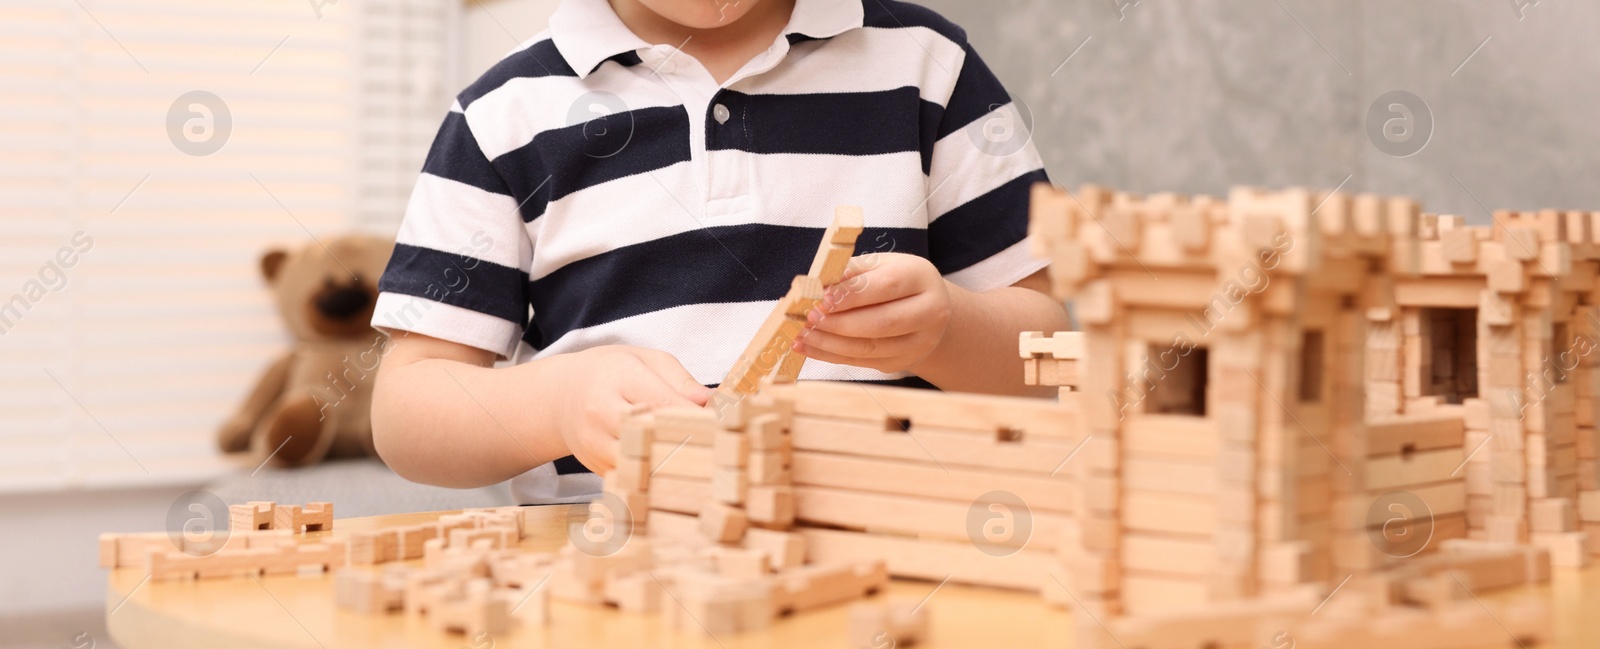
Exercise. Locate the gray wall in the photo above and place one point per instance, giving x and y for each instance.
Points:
(1196, 96)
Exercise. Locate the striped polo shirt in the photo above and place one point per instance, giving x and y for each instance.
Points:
(594, 189)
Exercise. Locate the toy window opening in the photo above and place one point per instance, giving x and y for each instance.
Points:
(1450, 366)
(1311, 366)
(1180, 390)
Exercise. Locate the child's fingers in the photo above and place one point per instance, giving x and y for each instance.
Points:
(868, 280)
(649, 389)
(893, 318)
(674, 374)
(881, 364)
(852, 347)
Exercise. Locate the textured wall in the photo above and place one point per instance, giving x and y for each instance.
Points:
(1199, 95)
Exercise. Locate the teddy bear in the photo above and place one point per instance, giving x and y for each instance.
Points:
(315, 401)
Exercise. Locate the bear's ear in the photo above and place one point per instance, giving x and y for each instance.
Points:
(271, 263)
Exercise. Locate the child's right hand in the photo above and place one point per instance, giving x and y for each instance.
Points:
(603, 384)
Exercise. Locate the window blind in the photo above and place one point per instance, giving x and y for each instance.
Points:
(150, 151)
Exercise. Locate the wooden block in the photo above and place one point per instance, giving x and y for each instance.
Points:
(1589, 506)
(631, 475)
(1421, 467)
(928, 479)
(367, 592)
(772, 341)
(1031, 455)
(529, 605)
(636, 436)
(926, 517)
(688, 425)
(637, 592)
(1413, 433)
(706, 604)
(1286, 563)
(313, 517)
(318, 557)
(730, 449)
(254, 515)
(412, 540)
(1016, 417)
(768, 432)
(1521, 243)
(1169, 513)
(768, 468)
(784, 550)
(1552, 515)
(813, 586)
(1506, 276)
(723, 523)
(681, 460)
(1506, 529)
(567, 585)
(1460, 246)
(1567, 549)
(729, 485)
(373, 547)
(771, 505)
(476, 613)
(741, 563)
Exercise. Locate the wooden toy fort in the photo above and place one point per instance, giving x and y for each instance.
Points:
(1286, 415)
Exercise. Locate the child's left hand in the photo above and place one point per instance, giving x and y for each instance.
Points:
(889, 313)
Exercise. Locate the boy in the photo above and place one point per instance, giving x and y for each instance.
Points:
(649, 177)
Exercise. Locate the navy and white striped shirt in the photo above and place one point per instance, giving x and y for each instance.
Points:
(618, 193)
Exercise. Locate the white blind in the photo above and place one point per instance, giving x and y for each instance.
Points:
(117, 366)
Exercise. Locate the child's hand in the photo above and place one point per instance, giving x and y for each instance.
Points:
(889, 313)
(603, 384)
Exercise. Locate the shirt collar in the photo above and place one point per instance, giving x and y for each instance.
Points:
(587, 32)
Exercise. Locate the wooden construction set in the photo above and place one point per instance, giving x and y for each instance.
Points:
(1293, 415)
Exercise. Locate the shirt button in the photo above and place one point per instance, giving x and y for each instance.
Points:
(720, 113)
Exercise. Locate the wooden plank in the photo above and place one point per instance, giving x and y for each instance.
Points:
(1391, 436)
(1454, 292)
(1169, 554)
(1027, 417)
(1442, 499)
(676, 424)
(951, 448)
(1169, 475)
(1392, 471)
(920, 516)
(1175, 290)
(1171, 513)
(1159, 435)
(680, 460)
(927, 479)
(682, 495)
(932, 559)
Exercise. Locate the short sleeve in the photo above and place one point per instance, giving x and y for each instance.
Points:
(980, 176)
(460, 266)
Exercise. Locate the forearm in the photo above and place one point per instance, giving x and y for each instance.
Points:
(455, 424)
(979, 350)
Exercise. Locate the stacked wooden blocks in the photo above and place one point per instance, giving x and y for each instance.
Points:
(1051, 360)
(473, 578)
(1238, 350)
(260, 541)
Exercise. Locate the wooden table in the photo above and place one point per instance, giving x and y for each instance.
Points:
(291, 611)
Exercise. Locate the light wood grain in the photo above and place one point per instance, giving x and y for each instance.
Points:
(279, 612)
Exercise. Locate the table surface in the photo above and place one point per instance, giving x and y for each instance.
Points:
(298, 611)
